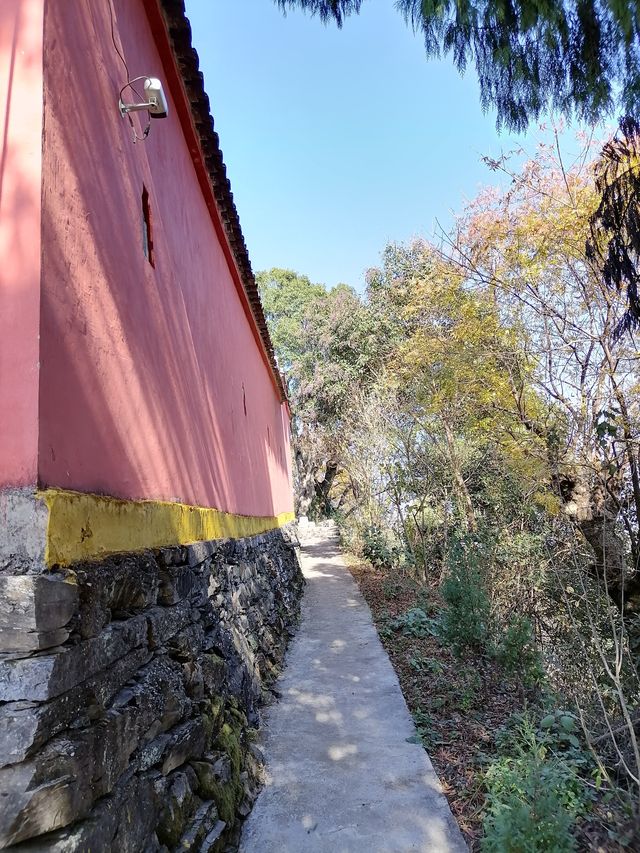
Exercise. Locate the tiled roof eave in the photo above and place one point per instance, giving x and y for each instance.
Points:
(188, 64)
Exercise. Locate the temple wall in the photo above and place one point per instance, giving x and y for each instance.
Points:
(134, 731)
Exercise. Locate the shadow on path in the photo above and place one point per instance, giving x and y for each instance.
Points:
(341, 776)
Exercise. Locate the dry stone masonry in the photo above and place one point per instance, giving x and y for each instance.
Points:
(129, 691)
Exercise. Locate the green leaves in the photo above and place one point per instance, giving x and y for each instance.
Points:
(287, 298)
(579, 57)
(326, 10)
(415, 623)
(614, 242)
(559, 731)
(534, 790)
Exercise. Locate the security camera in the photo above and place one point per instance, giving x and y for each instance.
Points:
(155, 95)
(156, 103)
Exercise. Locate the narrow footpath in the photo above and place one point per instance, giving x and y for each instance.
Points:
(341, 774)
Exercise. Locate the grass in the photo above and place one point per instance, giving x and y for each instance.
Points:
(462, 704)
(458, 702)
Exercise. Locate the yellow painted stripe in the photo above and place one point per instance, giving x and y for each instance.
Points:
(88, 527)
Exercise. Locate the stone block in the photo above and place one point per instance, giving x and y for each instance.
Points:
(102, 739)
(187, 644)
(45, 794)
(198, 552)
(204, 825)
(25, 726)
(218, 781)
(214, 671)
(211, 774)
(165, 622)
(123, 822)
(117, 587)
(34, 610)
(179, 804)
(152, 753)
(74, 769)
(43, 677)
(23, 532)
(193, 679)
(188, 741)
(212, 841)
(158, 697)
(137, 808)
(209, 612)
(176, 583)
(14, 641)
(175, 555)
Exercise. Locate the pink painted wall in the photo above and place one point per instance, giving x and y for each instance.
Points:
(20, 175)
(152, 384)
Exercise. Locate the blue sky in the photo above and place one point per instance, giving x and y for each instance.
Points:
(338, 141)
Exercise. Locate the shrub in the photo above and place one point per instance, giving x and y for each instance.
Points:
(416, 623)
(465, 620)
(376, 548)
(534, 791)
(517, 652)
(526, 809)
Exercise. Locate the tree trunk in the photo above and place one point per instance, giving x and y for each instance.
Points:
(594, 512)
(460, 487)
(305, 481)
(323, 489)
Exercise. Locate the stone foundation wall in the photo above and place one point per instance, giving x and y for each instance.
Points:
(128, 693)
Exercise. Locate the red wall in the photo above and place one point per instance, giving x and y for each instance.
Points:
(20, 162)
(152, 384)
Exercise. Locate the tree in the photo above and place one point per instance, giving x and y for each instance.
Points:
(529, 245)
(327, 342)
(286, 297)
(448, 366)
(581, 57)
(614, 241)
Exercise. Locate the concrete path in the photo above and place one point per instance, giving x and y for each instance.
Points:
(341, 776)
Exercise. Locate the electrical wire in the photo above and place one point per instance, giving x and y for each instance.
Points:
(145, 133)
(129, 85)
(113, 39)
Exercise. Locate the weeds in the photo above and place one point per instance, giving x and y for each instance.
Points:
(465, 621)
(416, 623)
(377, 550)
(535, 787)
(516, 651)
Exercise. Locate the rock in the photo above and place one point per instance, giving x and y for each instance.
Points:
(193, 679)
(210, 843)
(187, 643)
(164, 622)
(137, 809)
(179, 804)
(204, 822)
(12, 641)
(117, 586)
(172, 556)
(44, 677)
(24, 726)
(75, 769)
(23, 525)
(152, 753)
(176, 583)
(34, 610)
(33, 804)
(198, 552)
(123, 822)
(214, 671)
(188, 742)
(257, 753)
